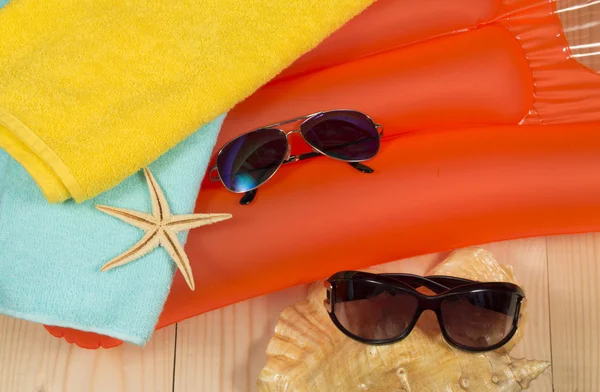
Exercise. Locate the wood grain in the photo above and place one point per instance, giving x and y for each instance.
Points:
(34, 361)
(574, 273)
(529, 260)
(581, 21)
(224, 350)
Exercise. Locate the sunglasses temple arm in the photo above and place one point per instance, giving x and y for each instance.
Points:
(357, 165)
(302, 157)
(248, 197)
(361, 167)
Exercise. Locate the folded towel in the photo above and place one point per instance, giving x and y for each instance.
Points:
(92, 91)
(50, 255)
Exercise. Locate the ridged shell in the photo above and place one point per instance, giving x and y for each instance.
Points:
(308, 353)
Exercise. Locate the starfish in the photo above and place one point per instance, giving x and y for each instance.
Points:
(161, 228)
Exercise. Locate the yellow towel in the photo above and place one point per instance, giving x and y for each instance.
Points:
(93, 90)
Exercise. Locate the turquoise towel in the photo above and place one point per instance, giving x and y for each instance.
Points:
(50, 255)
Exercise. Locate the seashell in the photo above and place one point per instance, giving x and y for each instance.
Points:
(308, 353)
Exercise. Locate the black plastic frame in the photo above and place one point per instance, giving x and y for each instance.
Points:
(443, 286)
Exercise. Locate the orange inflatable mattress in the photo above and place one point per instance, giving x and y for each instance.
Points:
(492, 132)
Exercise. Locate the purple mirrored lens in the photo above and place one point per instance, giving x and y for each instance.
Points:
(342, 134)
(251, 159)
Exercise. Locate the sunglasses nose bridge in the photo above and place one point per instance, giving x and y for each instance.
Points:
(426, 305)
(427, 320)
(288, 156)
(288, 134)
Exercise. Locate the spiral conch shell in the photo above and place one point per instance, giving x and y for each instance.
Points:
(308, 353)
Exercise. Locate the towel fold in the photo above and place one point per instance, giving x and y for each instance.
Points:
(91, 91)
(50, 255)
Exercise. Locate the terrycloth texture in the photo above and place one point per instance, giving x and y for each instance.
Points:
(93, 90)
(50, 255)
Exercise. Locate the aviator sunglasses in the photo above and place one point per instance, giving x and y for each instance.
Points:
(250, 160)
(384, 308)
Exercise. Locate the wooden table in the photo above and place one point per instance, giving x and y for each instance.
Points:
(224, 350)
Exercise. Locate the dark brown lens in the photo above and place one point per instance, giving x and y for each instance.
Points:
(479, 320)
(373, 311)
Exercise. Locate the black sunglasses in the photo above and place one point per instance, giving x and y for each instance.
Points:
(250, 160)
(384, 308)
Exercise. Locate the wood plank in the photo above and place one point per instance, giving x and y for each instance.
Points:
(575, 311)
(224, 350)
(529, 260)
(33, 360)
(580, 20)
